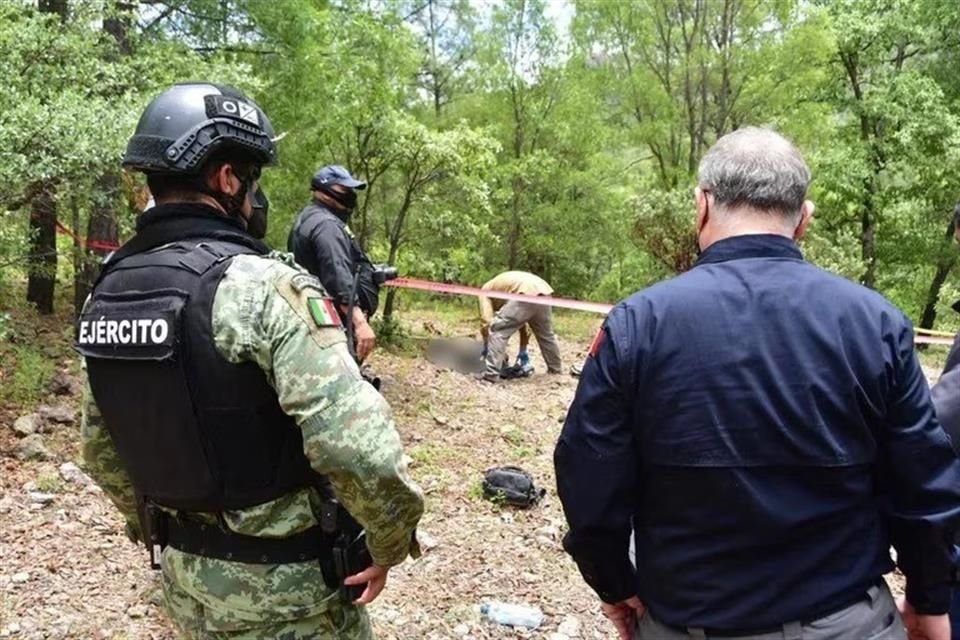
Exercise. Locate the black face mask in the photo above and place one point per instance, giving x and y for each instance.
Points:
(257, 223)
(346, 199)
(233, 204)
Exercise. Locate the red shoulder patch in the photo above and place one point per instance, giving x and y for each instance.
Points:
(597, 342)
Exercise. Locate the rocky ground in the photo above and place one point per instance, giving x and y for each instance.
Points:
(67, 570)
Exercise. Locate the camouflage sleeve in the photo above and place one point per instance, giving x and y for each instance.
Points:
(102, 462)
(271, 314)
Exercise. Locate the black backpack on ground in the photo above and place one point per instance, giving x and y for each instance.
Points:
(511, 485)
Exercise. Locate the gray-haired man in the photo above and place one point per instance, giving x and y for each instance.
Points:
(765, 430)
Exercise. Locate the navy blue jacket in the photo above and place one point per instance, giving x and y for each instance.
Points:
(946, 393)
(766, 428)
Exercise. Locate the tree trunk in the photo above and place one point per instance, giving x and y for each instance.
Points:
(396, 235)
(58, 7)
(42, 259)
(513, 256)
(102, 226)
(78, 255)
(434, 65)
(102, 232)
(117, 25)
(945, 264)
(388, 305)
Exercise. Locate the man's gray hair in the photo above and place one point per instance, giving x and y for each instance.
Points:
(757, 168)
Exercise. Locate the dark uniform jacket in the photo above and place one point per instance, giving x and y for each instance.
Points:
(321, 242)
(946, 393)
(946, 399)
(767, 430)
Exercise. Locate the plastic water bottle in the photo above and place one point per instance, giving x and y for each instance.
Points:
(513, 615)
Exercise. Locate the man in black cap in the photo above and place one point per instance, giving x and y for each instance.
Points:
(323, 244)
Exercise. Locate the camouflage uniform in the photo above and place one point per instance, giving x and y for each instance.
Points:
(348, 435)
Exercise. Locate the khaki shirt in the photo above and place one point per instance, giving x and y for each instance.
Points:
(510, 282)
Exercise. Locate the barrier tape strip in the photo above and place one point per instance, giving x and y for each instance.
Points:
(463, 290)
(96, 245)
(923, 336)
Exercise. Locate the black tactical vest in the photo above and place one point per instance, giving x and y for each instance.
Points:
(194, 431)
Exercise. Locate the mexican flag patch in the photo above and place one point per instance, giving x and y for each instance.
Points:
(324, 312)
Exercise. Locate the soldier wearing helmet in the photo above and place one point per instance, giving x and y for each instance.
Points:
(224, 416)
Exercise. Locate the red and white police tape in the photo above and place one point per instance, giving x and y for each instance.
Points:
(462, 290)
(96, 245)
(923, 336)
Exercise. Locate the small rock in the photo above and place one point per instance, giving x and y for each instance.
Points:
(548, 531)
(544, 541)
(137, 611)
(558, 636)
(32, 448)
(507, 518)
(569, 627)
(426, 540)
(441, 420)
(72, 473)
(21, 577)
(60, 414)
(26, 425)
(389, 615)
(64, 384)
(461, 630)
(156, 598)
(10, 630)
(38, 497)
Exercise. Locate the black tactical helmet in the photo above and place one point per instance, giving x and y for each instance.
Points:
(185, 124)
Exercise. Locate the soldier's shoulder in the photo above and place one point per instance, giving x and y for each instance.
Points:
(249, 282)
(253, 270)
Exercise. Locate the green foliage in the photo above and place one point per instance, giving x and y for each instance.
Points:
(32, 369)
(72, 96)
(391, 334)
(492, 139)
(50, 482)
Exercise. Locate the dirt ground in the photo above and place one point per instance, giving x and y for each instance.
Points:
(67, 570)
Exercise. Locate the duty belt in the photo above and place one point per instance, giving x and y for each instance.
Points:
(213, 541)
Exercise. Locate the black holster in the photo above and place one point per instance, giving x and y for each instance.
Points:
(153, 523)
(349, 554)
